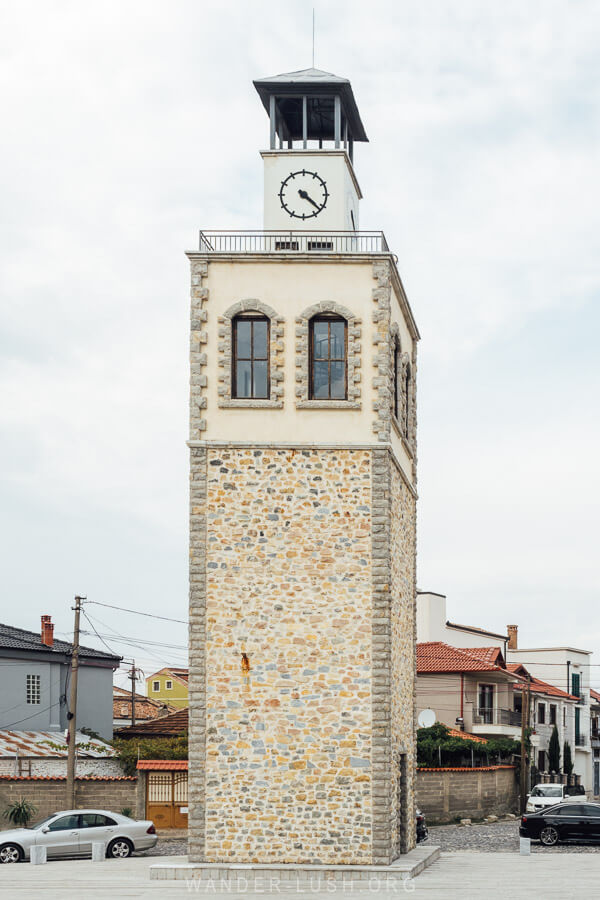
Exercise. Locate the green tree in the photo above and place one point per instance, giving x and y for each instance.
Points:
(554, 751)
(567, 759)
(132, 749)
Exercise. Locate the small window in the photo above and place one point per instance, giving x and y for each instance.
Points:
(576, 684)
(34, 689)
(64, 823)
(156, 685)
(328, 344)
(541, 713)
(96, 820)
(169, 685)
(250, 376)
(553, 713)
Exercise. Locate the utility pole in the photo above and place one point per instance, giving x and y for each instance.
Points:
(132, 675)
(72, 713)
(525, 694)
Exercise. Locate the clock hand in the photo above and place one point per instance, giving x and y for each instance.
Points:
(305, 196)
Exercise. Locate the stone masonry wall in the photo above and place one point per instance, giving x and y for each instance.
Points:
(404, 659)
(288, 640)
(302, 657)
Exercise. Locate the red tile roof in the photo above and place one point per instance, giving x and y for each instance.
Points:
(167, 726)
(145, 707)
(170, 765)
(542, 687)
(436, 656)
(595, 695)
(456, 732)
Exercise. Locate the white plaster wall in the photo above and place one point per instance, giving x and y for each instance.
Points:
(333, 167)
(290, 287)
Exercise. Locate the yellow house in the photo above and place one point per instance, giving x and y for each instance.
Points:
(169, 685)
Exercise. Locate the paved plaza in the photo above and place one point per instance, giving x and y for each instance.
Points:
(455, 876)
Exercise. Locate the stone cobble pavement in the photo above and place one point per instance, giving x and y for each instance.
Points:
(497, 837)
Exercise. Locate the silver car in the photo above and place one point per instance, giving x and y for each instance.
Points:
(72, 833)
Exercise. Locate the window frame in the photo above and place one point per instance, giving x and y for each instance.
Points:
(552, 714)
(169, 684)
(326, 317)
(155, 686)
(541, 713)
(249, 317)
(33, 689)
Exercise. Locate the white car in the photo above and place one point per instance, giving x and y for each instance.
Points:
(72, 832)
(543, 796)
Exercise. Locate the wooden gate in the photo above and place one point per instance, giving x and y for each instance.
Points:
(167, 798)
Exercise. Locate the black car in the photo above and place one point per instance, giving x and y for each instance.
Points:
(578, 822)
(422, 832)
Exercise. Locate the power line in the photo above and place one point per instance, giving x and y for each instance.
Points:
(138, 612)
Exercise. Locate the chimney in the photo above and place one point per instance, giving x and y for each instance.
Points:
(47, 634)
(513, 631)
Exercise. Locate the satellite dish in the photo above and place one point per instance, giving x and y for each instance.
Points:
(426, 718)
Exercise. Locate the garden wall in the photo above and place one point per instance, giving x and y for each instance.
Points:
(445, 795)
(48, 794)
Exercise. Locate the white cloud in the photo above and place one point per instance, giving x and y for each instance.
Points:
(129, 126)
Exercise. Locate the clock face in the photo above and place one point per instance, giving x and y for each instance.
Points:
(303, 194)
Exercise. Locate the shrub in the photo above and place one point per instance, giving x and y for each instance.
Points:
(20, 812)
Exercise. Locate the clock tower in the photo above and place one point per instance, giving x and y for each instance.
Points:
(302, 513)
(310, 183)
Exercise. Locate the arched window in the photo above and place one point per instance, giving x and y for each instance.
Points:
(328, 358)
(398, 386)
(407, 403)
(250, 363)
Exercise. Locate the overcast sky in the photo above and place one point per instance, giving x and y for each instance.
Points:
(127, 126)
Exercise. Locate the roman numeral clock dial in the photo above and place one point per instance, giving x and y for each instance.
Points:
(303, 194)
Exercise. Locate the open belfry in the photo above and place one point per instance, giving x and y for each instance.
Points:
(302, 512)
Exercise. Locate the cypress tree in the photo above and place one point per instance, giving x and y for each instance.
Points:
(554, 751)
(567, 760)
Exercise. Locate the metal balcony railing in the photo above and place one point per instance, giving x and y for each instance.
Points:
(580, 740)
(484, 716)
(293, 242)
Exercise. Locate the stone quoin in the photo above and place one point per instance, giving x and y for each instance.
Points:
(302, 513)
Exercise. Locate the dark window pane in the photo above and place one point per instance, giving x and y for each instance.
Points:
(64, 823)
(320, 340)
(260, 340)
(260, 379)
(243, 339)
(338, 340)
(338, 380)
(243, 381)
(321, 380)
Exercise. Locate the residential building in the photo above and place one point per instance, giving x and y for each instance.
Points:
(145, 708)
(595, 739)
(549, 706)
(468, 688)
(35, 682)
(169, 686)
(433, 625)
(302, 511)
(566, 668)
